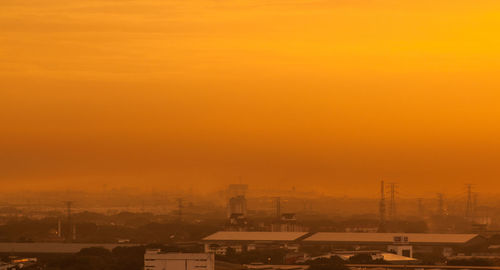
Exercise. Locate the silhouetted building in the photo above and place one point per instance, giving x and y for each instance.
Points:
(287, 223)
(237, 222)
(237, 205)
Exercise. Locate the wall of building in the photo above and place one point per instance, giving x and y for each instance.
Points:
(156, 260)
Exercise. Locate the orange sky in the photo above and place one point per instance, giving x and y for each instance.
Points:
(318, 94)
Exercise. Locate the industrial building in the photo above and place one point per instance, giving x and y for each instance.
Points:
(220, 242)
(388, 238)
(403, 244)
(154, 259)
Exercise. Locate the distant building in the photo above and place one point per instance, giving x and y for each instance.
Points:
(237, 205)
(403, 244)
(236, 201)
(154, 259)
(237, 222)
(235, 190)
(221, 242)
(287, 223)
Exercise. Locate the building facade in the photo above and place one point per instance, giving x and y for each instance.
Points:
(154, 259)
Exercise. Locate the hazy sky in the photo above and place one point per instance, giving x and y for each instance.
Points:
(330, 95)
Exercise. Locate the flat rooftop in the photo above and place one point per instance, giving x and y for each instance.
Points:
(255, 236)
(388, 238)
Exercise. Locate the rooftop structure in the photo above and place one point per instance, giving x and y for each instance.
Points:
(255, 236)
(389, 238)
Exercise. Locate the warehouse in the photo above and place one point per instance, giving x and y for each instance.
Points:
(154, 259)
(220, 242)
(404, 244)
(399, 243)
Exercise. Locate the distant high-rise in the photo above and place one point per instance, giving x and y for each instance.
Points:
(237, 203)
(237, 190)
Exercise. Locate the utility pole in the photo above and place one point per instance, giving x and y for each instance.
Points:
(440, 211)
(382, 207)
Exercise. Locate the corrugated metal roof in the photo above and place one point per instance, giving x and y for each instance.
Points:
(255, 236)
(389, 237)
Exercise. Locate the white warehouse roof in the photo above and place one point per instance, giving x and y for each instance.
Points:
(389, 237)
(255, 236)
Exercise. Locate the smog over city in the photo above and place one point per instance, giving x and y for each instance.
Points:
(249, 135)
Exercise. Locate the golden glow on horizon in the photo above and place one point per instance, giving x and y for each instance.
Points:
(309, 91)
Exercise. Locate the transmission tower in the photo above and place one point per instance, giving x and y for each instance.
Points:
(180, 206)
(392, 203)
(382, 207)
(420, 207)
(278, 207)
(474, 205)
(468, 204)
(440, 211)
(69, 228)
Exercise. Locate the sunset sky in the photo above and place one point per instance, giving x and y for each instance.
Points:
(326, 95)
